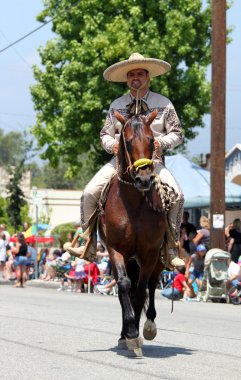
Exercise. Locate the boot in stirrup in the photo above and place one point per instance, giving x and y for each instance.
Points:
(87, 251)
(174, 260)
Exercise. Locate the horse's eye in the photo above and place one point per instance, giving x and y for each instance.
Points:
(151, 140)
(129, 144)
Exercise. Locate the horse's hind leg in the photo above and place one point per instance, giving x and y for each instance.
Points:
(149, 330)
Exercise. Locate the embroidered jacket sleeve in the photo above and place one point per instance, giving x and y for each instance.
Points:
(166, 127)
(110, 133)
(171, 134)
(107, 133)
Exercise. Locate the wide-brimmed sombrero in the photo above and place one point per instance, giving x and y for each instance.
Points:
(118, 71)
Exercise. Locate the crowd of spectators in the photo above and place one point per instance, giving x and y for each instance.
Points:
(194, 244)
(18, 262)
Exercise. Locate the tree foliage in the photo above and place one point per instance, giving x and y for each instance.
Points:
(71, 97)
(11, 148)
(64, 232)
(17, 208)
(16, 196)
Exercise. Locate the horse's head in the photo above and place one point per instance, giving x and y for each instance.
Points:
(138, 147)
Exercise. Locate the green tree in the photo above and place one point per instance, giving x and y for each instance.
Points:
(71, 97)
(16, 196)
(4, 218)
(11, 148)
(17, 206)
(63, 232)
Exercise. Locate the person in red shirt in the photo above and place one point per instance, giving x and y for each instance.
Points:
(179, 285)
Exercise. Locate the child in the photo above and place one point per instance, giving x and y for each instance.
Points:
(79, 274)
(179, 285)
(197, 268)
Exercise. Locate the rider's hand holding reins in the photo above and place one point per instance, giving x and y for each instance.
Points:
(115, 148)
(156, 144)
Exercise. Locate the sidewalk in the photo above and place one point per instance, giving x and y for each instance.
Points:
(35, 283)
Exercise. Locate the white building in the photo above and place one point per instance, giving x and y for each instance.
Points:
(233, 165)
(62, 206)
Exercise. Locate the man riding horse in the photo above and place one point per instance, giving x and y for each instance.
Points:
(137, 72)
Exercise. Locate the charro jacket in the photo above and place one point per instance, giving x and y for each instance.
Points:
(166, 126)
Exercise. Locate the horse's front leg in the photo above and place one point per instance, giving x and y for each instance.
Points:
(129, 331)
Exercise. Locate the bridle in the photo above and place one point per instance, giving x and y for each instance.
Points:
(136, 165)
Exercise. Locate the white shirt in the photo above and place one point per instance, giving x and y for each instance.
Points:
(2, 250)
(234, 269)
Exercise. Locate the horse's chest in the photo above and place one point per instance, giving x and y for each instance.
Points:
(133, 218)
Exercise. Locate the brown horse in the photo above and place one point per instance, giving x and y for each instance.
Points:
(133, 229)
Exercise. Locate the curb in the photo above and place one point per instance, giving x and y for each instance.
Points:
(35, 284)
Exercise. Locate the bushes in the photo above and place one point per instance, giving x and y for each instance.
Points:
(64, 232)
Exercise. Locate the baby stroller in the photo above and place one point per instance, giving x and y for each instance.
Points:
(215, 275)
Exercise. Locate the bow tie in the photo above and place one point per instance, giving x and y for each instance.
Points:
(141, 107)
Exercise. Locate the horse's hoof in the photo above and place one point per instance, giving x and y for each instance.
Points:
(136, 353)
(149, 330)
(134, 347)
(122, 344)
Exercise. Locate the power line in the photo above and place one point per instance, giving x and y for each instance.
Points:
(19, 55)
(16, 114)
(39, 27)
(27, 35)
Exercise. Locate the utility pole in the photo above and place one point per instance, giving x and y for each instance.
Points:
(217, 205)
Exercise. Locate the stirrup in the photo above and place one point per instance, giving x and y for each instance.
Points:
(177, 262)
(174, 260)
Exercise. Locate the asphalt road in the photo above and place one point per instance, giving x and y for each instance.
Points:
(45, 334)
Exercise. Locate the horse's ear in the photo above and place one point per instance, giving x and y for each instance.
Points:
(119, 117)
(152, 116)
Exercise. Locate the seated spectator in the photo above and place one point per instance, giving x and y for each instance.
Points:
(196, 271)
(50, 266)
(107, 288)
(63, 268)
(92, 274)
(179, 285)
(234, 272)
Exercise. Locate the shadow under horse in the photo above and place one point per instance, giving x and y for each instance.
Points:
(133, 227)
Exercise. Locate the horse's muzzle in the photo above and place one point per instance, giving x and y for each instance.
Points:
(144, 179)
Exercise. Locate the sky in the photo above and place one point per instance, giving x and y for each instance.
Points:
(18, 17)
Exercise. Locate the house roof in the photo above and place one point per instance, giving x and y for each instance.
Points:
(195, 184)
(237, 146)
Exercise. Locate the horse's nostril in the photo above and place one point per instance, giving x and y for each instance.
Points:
(143, 185)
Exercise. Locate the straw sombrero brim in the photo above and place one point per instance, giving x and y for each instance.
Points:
(118, 71)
